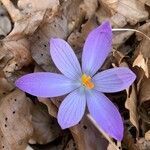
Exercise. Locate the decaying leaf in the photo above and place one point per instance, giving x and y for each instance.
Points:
(131, 105)
(144, 46)
(89, 7)
(142, 63)
(132, 10)
(29, 18)
(52, 109)
(18, 55)
(147, 135)
(84, 137)
(76, 38)
(56, 27)
(40, 41)
(143, 144)
(120, 38)
(15, 120)
(46, 128)
(5, 87)
(128, 141)
(5, 23)
(25, 29)
(144, 98)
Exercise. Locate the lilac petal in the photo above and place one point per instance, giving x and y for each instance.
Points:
(72, 109)
(105, 114)
(96, 48)
(113, 80)
(64, 58)
(43, 84)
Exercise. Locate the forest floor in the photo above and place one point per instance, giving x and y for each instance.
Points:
(28, 122)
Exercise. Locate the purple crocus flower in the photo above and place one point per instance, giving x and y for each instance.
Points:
(83, 84)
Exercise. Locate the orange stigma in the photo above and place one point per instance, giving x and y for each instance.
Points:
(86, 81)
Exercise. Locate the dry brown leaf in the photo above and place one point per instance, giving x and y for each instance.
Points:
(18, 55)
(29, 148)
(89, 7)
(4, 145)
(131, 105)
(142, 63)
(118, 56)
(87, 137)
(5, 87)
(144, 98)
(120, 38)
(36, 5)
(52, 109)
(129, 142)
(57, 27)
(70, 145)
(76, 38)
(60, 26)
(147, 135)
(73, 13)
(143, 144)
(102, 14)
(46, 128)
(29, 15)
(15, 120)
(111, 147)
(5, 23)
(133, 10)
(146, 2)
(144, 46)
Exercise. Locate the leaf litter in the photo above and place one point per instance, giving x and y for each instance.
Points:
(28, 122)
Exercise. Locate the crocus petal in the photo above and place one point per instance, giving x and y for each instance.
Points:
(96, 48)
(64, 58)
(72, 109)
(105, 114)
(43, 84)
(114, 80)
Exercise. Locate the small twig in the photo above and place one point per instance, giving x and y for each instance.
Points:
(134, 30)
(101, 130)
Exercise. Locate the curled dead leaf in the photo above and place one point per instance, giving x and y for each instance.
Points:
(142, 62)
(144, 98)
(131, 105)
(18, 55)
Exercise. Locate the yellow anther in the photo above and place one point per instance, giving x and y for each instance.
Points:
(86, 81)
